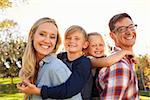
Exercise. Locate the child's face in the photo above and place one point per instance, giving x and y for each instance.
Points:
(96, 46)
(75, 42)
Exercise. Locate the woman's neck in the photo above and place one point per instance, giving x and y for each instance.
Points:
(73, 56)
(39, 58)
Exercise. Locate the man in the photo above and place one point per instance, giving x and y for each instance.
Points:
(119, 81)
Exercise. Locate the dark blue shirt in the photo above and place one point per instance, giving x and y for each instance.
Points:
(79, 80)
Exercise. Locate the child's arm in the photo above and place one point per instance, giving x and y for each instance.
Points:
(108, 61)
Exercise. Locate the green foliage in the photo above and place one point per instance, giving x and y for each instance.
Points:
(7, 24)
(5, 4)
(143, 71)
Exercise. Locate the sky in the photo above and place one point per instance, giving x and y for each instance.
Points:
(92, 15)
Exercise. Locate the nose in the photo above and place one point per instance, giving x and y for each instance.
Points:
(129, 31)
(47, 39)
(72, 39)
(97, 47)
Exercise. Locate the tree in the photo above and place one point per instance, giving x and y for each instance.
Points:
(11, 50)
(144, 71)
(5, 4)
(11, 44)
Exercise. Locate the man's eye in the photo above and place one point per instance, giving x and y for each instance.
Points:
(121, 29)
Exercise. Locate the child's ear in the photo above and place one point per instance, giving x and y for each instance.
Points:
(86, 44)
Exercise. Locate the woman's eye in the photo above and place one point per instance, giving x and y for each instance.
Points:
(68, 38)
(42, 34)
(53, 37)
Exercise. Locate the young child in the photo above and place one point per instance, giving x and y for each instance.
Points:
(96, 50)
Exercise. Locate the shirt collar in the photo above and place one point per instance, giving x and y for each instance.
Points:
(47, 59)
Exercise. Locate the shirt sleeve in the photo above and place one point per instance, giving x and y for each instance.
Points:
(73, 85)
(118, 80)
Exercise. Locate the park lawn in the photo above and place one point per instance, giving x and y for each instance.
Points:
(15, 96)
(144, 98)
(8, 80)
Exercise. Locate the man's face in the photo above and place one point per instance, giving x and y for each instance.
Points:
(124, 33)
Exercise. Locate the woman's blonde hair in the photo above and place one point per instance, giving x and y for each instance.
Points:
(28, 69)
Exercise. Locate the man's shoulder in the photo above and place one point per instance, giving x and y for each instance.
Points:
(122, 64)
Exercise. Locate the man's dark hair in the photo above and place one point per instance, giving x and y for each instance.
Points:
(117, 18)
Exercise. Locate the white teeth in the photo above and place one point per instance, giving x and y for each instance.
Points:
(45, 47)
(129, 38)
(97, 52)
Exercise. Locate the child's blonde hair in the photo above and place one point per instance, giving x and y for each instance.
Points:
(95, 34)
(75, 28)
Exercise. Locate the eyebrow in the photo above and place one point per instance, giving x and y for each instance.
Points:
(50, 32)
(125, 26)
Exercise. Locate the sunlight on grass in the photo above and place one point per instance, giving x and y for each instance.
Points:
(8, 80)
(144, 98)
(16, 96)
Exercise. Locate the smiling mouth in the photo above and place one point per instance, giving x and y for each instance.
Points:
(45, 47)
(97, 52)
(129, 37)
(71, 46)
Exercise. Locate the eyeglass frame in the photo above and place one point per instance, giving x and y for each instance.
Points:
(132, 27)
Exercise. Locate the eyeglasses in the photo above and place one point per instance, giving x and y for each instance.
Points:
(123, 29)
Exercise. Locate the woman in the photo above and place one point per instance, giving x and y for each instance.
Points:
(39, 66)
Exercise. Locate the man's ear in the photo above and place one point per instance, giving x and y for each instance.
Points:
(112, 35)
(86, 44)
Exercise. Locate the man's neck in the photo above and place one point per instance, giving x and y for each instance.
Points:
(125, 48)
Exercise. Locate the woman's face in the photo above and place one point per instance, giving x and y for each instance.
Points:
(96, 46)
(44, 39)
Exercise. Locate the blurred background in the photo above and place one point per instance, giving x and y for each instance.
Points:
(17, 17)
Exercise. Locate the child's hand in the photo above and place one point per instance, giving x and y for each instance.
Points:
(28, 88)
(24, 83)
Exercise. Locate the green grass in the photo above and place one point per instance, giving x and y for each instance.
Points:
(143, 93)
(144, 98)
(15, 96)
(9, 89)
(8, 80)
(12, 93)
